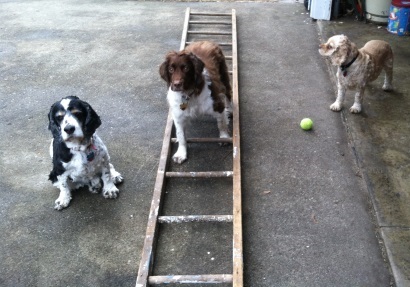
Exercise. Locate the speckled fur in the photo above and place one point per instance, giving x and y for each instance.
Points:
(374, 57)
(80, 157)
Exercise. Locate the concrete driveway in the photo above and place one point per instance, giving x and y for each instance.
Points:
(308, 197)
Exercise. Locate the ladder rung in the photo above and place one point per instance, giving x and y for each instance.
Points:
(220, 44)
(195, 218)
(191, 279)
(205, 140)
(228, 57)
(199, 174)
(209, 33)
(210, 14)
(210, 22)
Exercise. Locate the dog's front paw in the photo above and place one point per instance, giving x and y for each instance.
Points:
(387, 87)
(62, 202)
(111, 193)
(94, 189)
(336, 107)
(117, 178)
(355, 109)
(224, 135)
(179, 157)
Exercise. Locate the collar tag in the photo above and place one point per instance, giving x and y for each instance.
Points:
(185, 99)
(90, 156)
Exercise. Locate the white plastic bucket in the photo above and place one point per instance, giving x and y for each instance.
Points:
(377, 11)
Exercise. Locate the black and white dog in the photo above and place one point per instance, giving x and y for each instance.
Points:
(80, 158)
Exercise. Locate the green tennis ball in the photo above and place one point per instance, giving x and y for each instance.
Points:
(306, 124)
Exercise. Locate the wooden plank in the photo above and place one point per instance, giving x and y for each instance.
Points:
(191, 279)
(210, 22)
(220, 44)
(195, 218)
(210, 14)
(202, 174)
(208, 33)
(152, 227)
(147, 256)
(237, 192)
(185, 29)
(205, 140)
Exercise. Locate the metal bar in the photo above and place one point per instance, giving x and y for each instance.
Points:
(191, 279)
(237, 193)
(208, 33)
(195, 218)
(199, 174)
(205, 140)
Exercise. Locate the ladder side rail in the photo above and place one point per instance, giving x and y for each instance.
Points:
(148, 251)
(185, 30)
(237, 197)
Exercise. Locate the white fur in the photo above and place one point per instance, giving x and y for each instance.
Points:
(196, 105)
(81, 172)
(371, 59)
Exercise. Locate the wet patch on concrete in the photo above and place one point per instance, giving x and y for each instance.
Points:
(381, 136)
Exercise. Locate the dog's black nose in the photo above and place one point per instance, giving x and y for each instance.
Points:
(177, 85)
(69, 129)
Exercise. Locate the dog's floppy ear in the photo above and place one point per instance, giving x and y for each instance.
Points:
(92, 121)
(198, 67)
(163, 69)
(344, 49)
(52, 125)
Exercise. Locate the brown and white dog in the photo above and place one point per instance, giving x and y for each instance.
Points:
(357, 67)
(198, 83)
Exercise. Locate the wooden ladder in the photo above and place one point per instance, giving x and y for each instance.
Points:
(194, 25)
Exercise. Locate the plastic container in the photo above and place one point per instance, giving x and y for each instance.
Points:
(401, 3)
(399, 21)
(377, 11)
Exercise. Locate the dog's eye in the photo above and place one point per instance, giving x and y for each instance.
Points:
(330, 46)
(185, 68)
(76, 112)
(60, 116)
(171, 69)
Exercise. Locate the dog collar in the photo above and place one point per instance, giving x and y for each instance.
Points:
(90, 150)
(185, 99)
(344, 67)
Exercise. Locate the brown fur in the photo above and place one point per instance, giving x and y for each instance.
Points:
(374, 57)
(183, 71)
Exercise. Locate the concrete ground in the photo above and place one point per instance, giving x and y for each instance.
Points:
(327, 207)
